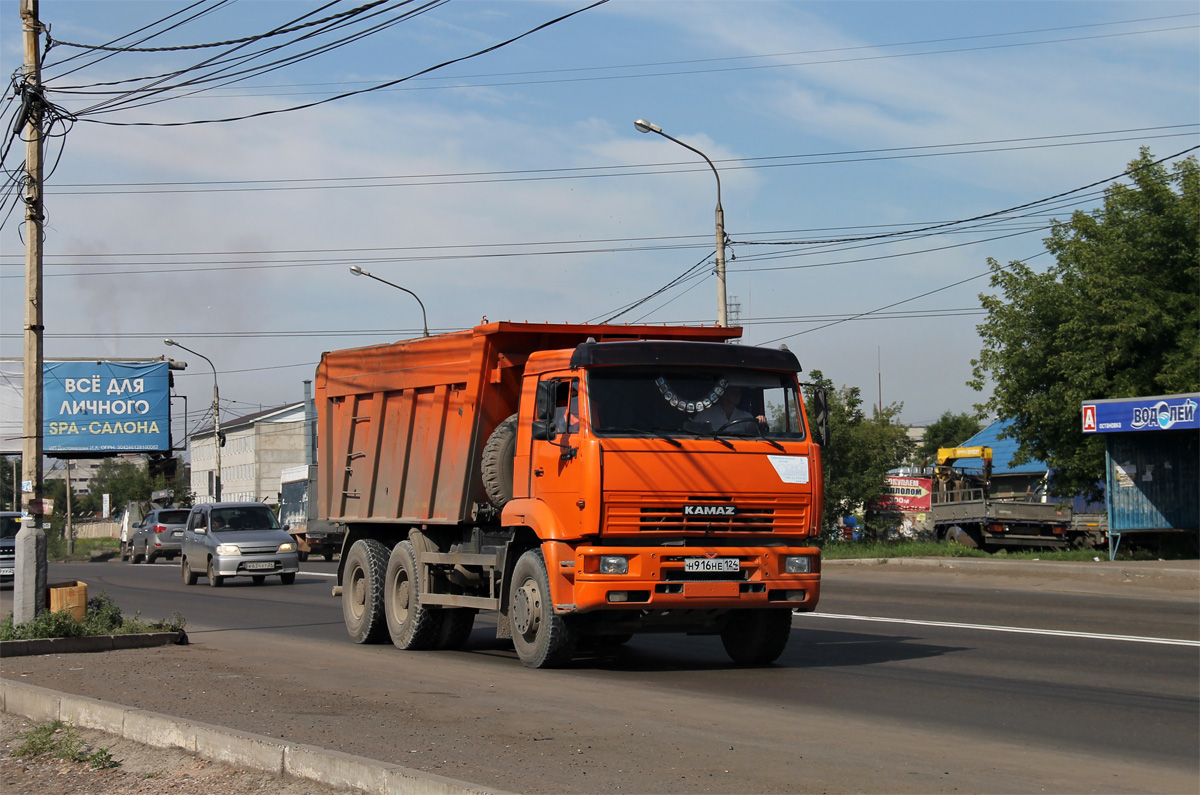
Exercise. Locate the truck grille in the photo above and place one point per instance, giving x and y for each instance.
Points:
(654, 515)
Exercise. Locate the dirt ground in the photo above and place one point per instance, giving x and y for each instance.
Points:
(142, 770)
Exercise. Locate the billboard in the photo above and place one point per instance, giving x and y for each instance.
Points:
(1163, 413)
(906, 495)
(106, 407)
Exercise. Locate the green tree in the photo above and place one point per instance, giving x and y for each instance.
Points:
(861, 450)
(1116, 316)
(123, 480)
(949, 430)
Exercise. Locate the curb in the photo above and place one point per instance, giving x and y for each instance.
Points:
(90, 643)
(1184, 570)
(228, 746)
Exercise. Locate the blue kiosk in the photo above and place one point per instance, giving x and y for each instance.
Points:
(1152, 463)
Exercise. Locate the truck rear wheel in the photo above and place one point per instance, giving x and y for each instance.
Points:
(757, 637)
(362, 591)
(497, 465)
(963, 537)
(410, 625)
(543, 639)
(457, 623)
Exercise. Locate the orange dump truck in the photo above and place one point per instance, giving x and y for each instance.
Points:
(587, 482)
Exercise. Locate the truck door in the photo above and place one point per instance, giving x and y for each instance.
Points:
(556, 465)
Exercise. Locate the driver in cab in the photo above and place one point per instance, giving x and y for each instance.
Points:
(726, 411)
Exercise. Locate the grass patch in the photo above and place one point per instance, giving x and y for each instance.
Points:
(103, 617)
(60, 740)
(85, 548)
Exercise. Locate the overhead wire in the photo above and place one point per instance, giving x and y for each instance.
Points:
(345, 95)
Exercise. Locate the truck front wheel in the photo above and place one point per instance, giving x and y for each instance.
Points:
(757, 637)
(411, 625)
(362, 591)
(543, 639)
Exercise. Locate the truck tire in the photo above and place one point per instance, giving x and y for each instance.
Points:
(957, 535)
(362, 591)
(410, 625)
(543, 639)
(757, 637)
(457, 623)
(497, 464)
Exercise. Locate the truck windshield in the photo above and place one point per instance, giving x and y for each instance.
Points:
(694, 401)
(251, 517)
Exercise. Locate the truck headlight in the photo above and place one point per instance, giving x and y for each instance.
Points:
(228, 549)
(287, 546)
(797, 564)
(614, 564)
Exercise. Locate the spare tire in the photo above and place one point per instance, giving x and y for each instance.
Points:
(498, 455)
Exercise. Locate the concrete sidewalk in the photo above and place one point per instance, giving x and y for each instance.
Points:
(239, 749)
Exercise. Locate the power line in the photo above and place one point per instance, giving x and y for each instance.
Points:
(348, 94)
(592, 172)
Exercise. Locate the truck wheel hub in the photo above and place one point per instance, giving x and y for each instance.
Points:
(527, 608)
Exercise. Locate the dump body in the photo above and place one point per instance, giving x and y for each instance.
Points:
(403, 426)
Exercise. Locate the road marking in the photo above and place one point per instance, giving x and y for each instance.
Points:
(1018, 630)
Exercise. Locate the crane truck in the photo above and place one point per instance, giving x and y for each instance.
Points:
(585, 482)
(967, 508)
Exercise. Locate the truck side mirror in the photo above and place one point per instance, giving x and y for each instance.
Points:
(543, 417)
(821, 420)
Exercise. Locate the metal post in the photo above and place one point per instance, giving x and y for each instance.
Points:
(29, 591)
(216, 417)
(424, 320)
(722, 305)
(70, 524)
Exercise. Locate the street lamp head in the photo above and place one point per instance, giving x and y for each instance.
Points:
(644, 126)
(357, 271)
(169, 341)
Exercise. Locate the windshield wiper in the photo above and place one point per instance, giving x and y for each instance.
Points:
(771, 442)
(709, 435)
(655, 433)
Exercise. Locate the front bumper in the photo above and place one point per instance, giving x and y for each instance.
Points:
(255, 565)
(657, 580)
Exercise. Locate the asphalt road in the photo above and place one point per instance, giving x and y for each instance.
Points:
(994, 680)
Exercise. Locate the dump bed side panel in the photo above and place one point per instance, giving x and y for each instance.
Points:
(402, 426)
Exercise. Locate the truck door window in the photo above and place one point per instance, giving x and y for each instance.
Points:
(566, 406)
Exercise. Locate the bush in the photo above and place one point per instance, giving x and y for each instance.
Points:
(103, 617)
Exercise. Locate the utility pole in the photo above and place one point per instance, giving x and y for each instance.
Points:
(70, 525)
(29, 592)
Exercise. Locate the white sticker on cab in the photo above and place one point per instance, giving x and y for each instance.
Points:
(790, 468)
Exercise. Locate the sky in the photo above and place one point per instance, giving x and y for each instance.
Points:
(514, 186)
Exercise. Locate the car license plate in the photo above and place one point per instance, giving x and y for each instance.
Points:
(267, 565)
(708, 565)
(7, 572)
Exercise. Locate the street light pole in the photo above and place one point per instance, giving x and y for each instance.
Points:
(216, 417)
(722, 311)
(424, 320)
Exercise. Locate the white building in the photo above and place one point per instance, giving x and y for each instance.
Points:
(258, 447)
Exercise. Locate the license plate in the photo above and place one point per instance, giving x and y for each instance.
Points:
(267, 565)
(708, 565)
(7, 572)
